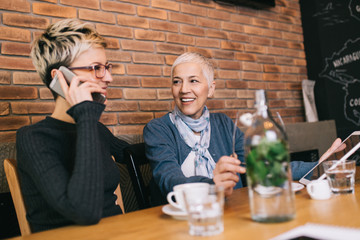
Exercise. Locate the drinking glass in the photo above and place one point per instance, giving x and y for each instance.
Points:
(205, 211)
(341, 175)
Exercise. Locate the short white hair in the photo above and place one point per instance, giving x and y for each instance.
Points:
(192, 57)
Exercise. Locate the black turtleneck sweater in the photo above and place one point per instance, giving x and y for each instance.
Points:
(66, 170)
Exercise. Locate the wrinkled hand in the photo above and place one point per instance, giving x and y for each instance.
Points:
(225, 173)
(80, 89)
(336, 144)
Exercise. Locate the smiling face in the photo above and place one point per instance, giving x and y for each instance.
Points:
(93, 56)
(190, 89)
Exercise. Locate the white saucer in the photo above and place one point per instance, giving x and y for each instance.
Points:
(174, 212)
(296, 186)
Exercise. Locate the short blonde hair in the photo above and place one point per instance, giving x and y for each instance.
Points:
(192, 57)
(60, 44)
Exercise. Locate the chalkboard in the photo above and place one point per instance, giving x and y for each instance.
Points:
(332, 45)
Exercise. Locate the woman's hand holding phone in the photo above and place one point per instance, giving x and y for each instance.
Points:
(79, 90)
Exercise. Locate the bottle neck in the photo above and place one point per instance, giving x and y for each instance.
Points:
(260, 103)
(261, 110)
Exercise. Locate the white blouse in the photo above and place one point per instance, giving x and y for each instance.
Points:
(188, 166)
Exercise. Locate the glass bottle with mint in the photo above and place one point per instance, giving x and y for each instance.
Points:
(268, 167)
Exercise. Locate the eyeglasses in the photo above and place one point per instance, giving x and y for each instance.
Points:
(100, 69)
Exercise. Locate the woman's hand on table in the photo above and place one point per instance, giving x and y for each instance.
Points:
(225, 173)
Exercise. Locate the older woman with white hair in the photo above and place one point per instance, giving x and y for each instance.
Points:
(191, 144)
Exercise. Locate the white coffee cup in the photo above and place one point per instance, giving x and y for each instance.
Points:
(179, 197)
(319, 189)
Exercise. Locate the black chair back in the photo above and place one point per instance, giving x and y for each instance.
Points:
(146, 192)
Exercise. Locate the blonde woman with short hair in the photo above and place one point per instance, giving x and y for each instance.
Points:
(65, 161)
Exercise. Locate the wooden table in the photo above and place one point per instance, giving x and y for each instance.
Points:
(341, 210)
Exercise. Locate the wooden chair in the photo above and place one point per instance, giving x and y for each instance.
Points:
(12, 177)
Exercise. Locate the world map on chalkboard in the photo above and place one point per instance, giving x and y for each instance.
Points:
(343, 68)
(341, 64)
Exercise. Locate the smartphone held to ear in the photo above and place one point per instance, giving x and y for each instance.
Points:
(68, 75)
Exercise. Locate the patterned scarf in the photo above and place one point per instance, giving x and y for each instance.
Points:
(204, 163)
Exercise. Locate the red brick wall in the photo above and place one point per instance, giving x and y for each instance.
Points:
(252, 49)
